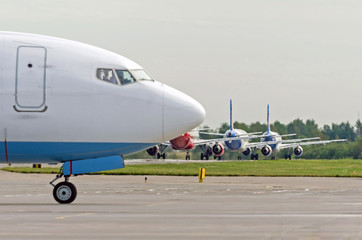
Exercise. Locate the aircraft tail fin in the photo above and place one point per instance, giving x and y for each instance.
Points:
(267, 119)
(231, 115)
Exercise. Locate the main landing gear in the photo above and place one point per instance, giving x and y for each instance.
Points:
(64, 192)
(204, 156)
(254, 155)
(161, 155)
(288, 155)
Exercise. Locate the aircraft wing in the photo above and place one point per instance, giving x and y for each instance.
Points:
(292, 145)
(299, 140)
(288, 135)
(292, 142)
(206, 141)
(166, 143)
(214, 134)
(258, 144)
(252, 133)
(243, 136)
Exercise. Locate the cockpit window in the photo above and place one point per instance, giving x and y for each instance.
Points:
(124, 77)
(141, 75)
(107, 75)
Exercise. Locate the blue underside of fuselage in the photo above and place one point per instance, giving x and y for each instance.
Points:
(232, 145)
(270, 139)
(48, 152)
(273, 146)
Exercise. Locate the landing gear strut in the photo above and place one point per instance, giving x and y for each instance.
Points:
(161, 155)
(204, 156)
(64, 192)
(254, 155)
(288, 155)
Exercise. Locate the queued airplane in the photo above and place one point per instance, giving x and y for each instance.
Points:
(185, 142)
(233, 140)
(188, 142)
(67, 102)
(272, 142)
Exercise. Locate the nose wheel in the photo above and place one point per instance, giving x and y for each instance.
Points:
(64, 192)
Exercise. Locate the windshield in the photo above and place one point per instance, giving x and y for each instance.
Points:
(124, 77)
(141, 75)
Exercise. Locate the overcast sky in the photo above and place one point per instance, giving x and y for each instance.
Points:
(303, 57)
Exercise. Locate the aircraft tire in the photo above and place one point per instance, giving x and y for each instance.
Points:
(64, 192)
(164, 155)
(202, 156)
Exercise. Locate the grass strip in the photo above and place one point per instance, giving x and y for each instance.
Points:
(302, 168)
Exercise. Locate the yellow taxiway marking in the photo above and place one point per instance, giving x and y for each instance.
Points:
(75, 215)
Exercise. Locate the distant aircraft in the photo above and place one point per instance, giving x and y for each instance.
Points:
(72, 103)
(185, 142)
(188, 142)
(272, 142)
(234, 140)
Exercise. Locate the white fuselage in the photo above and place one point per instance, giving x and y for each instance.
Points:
(54, 108)
(235, 145)
(274, 138)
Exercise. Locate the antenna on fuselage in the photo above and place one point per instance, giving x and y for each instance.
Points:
(231, 115)
(267, 119)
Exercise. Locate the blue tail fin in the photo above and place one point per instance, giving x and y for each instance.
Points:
(267, 119)
(231, 115)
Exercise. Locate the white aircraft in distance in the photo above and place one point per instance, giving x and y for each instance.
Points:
(234, 140)
(187, 142)
(85, 107)
(272, 142)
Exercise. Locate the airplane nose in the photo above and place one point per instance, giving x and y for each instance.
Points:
(181, 113)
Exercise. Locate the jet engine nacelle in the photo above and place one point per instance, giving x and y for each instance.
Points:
(298, 151)
(218, 150)
(152, 151)
(266, 150)
(182, 142)
(247, 152)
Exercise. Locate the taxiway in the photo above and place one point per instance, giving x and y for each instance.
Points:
(127, 207)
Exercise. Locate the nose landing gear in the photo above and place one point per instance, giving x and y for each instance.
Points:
(64, 192)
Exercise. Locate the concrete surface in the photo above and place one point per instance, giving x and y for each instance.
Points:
(125, 207)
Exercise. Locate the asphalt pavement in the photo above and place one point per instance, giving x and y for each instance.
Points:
(127, 207)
